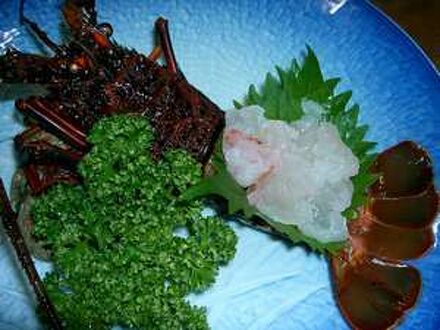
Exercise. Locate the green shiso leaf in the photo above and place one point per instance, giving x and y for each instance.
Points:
(281, 98)
(295, 235)
(117, 260)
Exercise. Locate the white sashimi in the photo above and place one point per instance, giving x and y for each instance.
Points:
(247, 167)
(298, 173)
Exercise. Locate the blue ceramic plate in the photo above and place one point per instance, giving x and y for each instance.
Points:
(223, 46)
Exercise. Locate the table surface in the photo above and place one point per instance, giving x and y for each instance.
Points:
(420, 18)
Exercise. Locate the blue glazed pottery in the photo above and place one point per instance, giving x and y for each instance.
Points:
(223, 47)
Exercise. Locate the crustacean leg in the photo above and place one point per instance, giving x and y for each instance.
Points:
(49, 117)
(16, 67)
(373, 288)
(42, 177)
(40, 146)
(191, 107)
(37, 31)
(186, 90)
(47, 160)
(80, 16)
(155, 54)
(165, 43)
(9, 218)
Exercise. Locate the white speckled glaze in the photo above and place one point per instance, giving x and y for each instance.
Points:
(223, 46)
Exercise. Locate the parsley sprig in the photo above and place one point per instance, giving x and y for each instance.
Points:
(281, 97)
(116, 254)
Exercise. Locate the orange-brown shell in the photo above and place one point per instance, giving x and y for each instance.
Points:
(374, 289)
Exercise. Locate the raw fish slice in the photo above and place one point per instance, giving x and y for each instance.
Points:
(248, 159)
(296, 174)
(248, 120)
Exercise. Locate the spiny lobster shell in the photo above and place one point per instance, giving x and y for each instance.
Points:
(92, 76)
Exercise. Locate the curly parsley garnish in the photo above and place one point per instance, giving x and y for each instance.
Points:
(118, 259)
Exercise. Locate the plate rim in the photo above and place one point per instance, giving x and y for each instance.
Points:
(403, 34)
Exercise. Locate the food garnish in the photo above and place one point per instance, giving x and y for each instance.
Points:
(118, 253)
